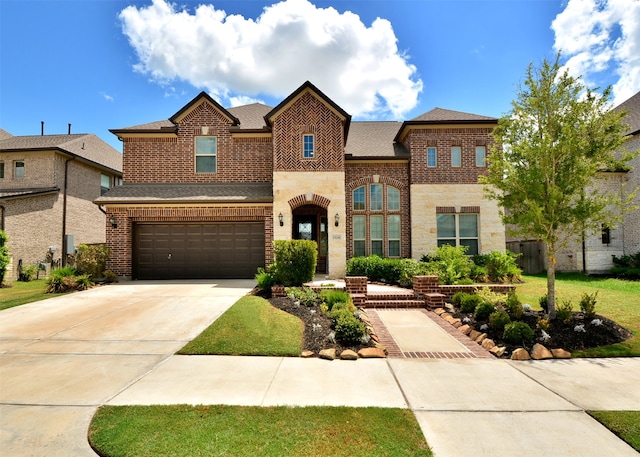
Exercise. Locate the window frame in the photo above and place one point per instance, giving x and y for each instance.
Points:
(481, 160)
(457, 155)
(312, 151)
(361, 240)
(605, 235)
(394, 239)
(433, 149)
(457, 238)
(362, 205)
(103, 189)
(15, 169)
(1, 169)
(198, 154)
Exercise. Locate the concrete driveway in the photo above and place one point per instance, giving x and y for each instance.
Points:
(63, 357)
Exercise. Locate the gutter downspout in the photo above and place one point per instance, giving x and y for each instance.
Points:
(64, 211)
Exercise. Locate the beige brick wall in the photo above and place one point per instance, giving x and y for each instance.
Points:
(288, 185)
(631, 242)
(38, 170)
(426, 197)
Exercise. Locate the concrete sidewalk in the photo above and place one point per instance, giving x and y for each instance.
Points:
(62, 358)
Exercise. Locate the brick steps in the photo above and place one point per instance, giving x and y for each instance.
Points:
(391, 300)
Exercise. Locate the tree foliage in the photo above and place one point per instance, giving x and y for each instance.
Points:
(5, 259)
(550, 150)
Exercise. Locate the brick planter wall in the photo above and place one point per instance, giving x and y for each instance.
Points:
(450, 290)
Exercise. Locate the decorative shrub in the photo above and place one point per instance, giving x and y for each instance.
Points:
(495, 298)
(544, 303)
(514, 306)
(452, 263)
(498, 320)
(390, 271)
(469, 302)
(588, 305)
(304, 295)
(331, 297)
(109, 276)
(543, 323)
(264, 279)
(91, 259)
(483, 311)
(518, 333)
(458, 297)
(82, 282)
(627, 266)
(66, 279)
(28, 272)
(349, 329)
(564, 311)
(500, 266)
(4, 255)
(295, 261)
(338, 309)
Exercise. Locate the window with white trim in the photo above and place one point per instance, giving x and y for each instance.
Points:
(308, 146)
(377, 230)
(481, 156)
(105, 183)
(359, 236)
(206, 154)
(432, 156)
(456, 156)
(359, 199)
(393, 235)
(458, 230)
(18, 169)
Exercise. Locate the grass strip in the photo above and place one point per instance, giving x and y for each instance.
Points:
(20, 293)
(250, 327)
(192, 431)
(625, 424)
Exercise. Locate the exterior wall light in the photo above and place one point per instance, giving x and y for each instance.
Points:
(337, 219)
(112, 221)
(281, 219)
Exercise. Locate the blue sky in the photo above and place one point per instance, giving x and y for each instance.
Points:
(105, 64)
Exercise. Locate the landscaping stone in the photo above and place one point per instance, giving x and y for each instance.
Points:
(474, 334)
(520, 354)
(371, 353)
(307, 354)
(328, 354)
(488, 343)
(498, 351)
(539, 352)
(456, 323)
(449, 307)
(465, 329)
(439, 311)
(480, 338)
(445, 316)
(348, 354)
(560, 353)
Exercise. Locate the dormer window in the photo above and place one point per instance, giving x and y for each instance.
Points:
(308, 146)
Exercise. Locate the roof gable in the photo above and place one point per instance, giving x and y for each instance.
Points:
(447, 115)
(201, 98)
(632, 107)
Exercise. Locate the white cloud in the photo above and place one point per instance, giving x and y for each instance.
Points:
(600, 36)
(237, 59)
(107, 97)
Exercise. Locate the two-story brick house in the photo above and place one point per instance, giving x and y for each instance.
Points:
(207, 191)
(47, 187)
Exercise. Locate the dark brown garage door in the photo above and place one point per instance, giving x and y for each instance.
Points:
(198, 251)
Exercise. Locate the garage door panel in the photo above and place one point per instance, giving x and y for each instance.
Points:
(214, 250)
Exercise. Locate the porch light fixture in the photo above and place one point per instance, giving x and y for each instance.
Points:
(112, 221)
(281, 219)
(337, 219)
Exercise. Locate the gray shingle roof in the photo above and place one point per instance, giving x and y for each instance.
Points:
(251, 116)
(21, 193)
(445, 115)
(4, 134)
(632, 106)
(85, 146)
(183, 193)
(374, 139)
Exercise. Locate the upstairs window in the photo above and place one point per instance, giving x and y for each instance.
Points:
(432, 153)
(376, 197)
(606, 234)
(481, 155)
(105, 183)
(359, 202)
(393, 199)
(18, 169)
(206, 154)
(1, 170)
(308, 146)
(456, 156)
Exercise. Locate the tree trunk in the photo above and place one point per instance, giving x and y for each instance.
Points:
(551, 282)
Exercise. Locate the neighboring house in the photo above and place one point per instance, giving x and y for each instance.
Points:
(595, 255)
(207, 191)
(47, 187)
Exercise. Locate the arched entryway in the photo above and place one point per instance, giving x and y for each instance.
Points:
(310, 223)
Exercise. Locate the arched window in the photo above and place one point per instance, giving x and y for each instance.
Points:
(377, 221)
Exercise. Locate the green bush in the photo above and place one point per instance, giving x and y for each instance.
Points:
(28, 272)
(349, 329)
(109, 276)
(4, 255)
(452, 264)
(82, 282)
(544, 303)
(469, 302)
(500, 266)
(304, 295)
(514, 306)
(518, 333)
(331, 297)
(91, 259)
(479, 273)
(564, 311)
(339, 309)
(458, 297)
(483, 311)
(67, 279)
(264, 279)
(588, 304)
(498, 320)
(295, 261)
(390, 271)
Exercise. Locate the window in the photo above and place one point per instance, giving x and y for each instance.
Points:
(431, 157)
(206, 154)
(308, 146)
(376, 232)
(481, 155)
(18, 169)
(1, 170)
(606, 234)
(359, 201)
(458, 230)
(456, 156)
(359, 236)
(105, 183)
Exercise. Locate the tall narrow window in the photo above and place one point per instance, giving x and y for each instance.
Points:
(359, 202)
(481, 156)
(359, 236)
(393, 199)
(206, 154)
(377, 247)
(393, 234)
(456, 156)
(1, 170)
(606, 235)
(446, 226)
(308, 146)
(376, 197)
(431, 157)
(18, 169)
(105, 183)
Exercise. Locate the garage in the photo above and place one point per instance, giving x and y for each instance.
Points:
(198, 250)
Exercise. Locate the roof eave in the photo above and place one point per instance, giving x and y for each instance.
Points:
(406, 124)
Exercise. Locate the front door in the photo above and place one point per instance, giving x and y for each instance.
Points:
(310, 223)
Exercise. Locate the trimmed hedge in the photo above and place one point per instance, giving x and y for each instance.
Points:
(295, 262)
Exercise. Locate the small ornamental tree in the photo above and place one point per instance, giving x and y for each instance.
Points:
(4, 255)
(549, 151)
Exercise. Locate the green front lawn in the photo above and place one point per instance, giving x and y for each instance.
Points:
(618, 299)
(20, 293)
(625, 424)
(250, 327)
(193, 431)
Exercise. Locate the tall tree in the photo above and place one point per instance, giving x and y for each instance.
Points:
(550, 150)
